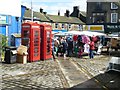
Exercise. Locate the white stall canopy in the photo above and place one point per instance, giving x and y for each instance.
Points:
(88, 33)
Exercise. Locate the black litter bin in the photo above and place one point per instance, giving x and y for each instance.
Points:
(10, 54)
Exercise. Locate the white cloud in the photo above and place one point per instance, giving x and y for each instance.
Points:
(28, 5)
(13, 9)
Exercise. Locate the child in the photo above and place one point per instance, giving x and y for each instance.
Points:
(76, 50)
(80, 51)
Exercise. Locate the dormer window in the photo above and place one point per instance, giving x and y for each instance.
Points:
(114, 6)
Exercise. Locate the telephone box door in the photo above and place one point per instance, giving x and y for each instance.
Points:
(46, 41)
(31, 39)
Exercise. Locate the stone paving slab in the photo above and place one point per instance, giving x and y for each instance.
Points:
(73, 75)
(94, 66)
(17, 69)
(90, 84)
(30, 76)
(44, 74)
(96, 69)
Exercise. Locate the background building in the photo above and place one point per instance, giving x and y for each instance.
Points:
(104, 13)
(39, 17)
(59, 23)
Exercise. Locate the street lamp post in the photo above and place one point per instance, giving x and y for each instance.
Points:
(31, 11)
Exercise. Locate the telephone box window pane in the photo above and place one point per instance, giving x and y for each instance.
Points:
(26, 40)
(26, 33)
(36, 43)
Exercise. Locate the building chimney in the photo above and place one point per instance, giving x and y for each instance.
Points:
(45, 13)
(41, 10)
(76, 10)
(67, 13)
(58, 12)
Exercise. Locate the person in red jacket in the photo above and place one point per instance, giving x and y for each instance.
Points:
(92, 47)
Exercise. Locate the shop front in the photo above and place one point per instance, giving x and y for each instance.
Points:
(112, 28)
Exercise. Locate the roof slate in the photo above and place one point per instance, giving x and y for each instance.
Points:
(64, 19)
(83, 13)
(54, 18)
(36, 15)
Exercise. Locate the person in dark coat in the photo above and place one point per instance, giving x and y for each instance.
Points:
(70, 47)
(65, 46)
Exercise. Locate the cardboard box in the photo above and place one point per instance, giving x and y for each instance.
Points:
(21, 59)
(22, 50)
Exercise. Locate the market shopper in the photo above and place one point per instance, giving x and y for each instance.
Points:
(70, 47)
(56, 43)
(92, 47)
(53, 51)
(59, 46)
(65, 46)
(76, 48)
(80, 51)
(108, 46)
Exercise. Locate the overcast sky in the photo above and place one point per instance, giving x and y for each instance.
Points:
(52, 6)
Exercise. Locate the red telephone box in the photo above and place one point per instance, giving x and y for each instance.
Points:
(31, 38)
(46, 41)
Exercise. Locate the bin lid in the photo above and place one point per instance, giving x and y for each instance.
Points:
(16, 35)
(11, 47)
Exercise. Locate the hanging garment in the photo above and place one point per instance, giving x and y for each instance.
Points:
(99, 49)
(94, 38)
(86, 48)
(85, 39)
(75, 37)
